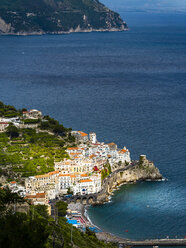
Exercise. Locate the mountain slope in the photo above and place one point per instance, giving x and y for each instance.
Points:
(57, 16)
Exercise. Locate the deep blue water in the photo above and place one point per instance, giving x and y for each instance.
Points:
(128, 87)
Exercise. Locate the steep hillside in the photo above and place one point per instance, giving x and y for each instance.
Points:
(57, 16)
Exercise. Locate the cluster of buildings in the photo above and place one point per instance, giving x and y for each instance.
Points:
(81, 173)
(16, 121)
(98, 152)
(4, 123)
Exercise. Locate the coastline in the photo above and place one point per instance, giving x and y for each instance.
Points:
(107, 236)
(64, 32)
(100, 234)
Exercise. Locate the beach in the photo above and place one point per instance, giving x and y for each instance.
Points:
(100, 234)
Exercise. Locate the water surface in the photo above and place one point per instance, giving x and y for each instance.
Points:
(128, 87)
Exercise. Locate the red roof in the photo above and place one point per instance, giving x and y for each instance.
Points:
(72, 148)
(38, 195)
(4, 122)
(85, 181)
(13, 182)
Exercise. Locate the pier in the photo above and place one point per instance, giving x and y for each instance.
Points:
(153, 243)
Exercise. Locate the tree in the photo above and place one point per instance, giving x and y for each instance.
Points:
(109, 168)
(42, 210)
(12, 131)
(59, 129)
(7, 198)
(104, 174)
(69, 191)
(62, 208)
(20, 229)
(90, 232)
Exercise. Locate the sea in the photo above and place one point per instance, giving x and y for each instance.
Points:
(128, 87)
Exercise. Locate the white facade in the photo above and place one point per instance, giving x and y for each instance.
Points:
(84, 187)
(64, 182)
(3, 126)
(92, 137)
(32, 114)
(89, 185)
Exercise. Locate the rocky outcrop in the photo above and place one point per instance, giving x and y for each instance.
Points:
(144, 170)
(141, 170)
(4, 27)
(23, 17)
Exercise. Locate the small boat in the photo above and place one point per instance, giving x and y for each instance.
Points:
(126, 230)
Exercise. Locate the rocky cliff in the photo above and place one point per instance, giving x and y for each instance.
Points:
(138, 171)
(141, 172)
(57, 16)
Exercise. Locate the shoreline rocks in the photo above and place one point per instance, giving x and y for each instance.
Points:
(63, 32)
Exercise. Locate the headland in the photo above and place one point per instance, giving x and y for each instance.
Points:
(78, 169)
(57, 17)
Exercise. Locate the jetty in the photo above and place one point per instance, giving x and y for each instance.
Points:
(153, 243)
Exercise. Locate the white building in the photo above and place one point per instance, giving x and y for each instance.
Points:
(89, 185)
(3, 126)
(124, 155)
(32, 114)
(64, 182)
(78, 165)
(92, 137)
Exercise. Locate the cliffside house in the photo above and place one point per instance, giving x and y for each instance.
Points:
(32, 114)
(3, 126)
(80, 136)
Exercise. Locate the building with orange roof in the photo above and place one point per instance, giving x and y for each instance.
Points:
(112, 146)
(82, 133)
(76, 152)
(13, 182)
(80, 136)
(38, 198)
(83, 175)
(42, 183)
(79, 165)
(89, 185)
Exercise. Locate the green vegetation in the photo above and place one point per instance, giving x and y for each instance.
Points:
(106, 171)
(25, 151)
(31, 153)
(51, 124)
(62, 208)
(8, 111)
(31, 121)
(38, 229)
(12, 131)
(57, 15)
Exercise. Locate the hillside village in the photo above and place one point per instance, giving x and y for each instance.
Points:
(79, 173)
(83, 172)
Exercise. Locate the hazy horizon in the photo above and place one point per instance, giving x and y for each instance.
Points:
(161, 6)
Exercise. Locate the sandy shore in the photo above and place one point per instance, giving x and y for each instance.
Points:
(105, 236)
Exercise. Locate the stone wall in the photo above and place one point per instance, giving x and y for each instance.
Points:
(141, 170)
